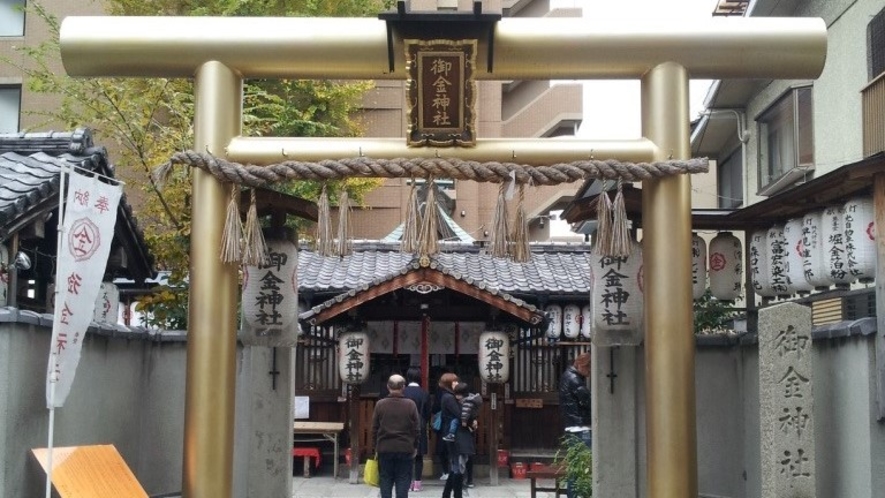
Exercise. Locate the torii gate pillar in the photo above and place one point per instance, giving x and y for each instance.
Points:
(220, 52)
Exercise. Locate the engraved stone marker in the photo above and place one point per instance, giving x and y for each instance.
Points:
(786, 402)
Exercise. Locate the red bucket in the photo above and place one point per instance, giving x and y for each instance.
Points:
(503, 458)
(537, 466)
(518, 470)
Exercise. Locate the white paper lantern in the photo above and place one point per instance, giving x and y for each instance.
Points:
(4, 274)
(270, 297)
(587, 321)
(859, 225)
(698, 266)
(726, 262)
(494, 357)
(554, 328)
(353, 357)
(816, 273)
(834, 246)
(759, 267)
(617, 298)
(571, 321)
(796, 282)
(107, 304)
(776, 254)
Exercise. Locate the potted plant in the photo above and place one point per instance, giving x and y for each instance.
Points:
(577, 460)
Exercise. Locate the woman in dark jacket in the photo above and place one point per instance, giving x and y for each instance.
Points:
(414, 392)
(447, 382)
(464, 445)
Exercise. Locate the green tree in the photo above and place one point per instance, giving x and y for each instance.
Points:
(144, 121)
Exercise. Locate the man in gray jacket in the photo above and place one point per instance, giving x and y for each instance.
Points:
(395, 429)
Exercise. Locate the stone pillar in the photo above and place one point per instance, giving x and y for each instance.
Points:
(264, 416)
(615, 421)
(786, 405)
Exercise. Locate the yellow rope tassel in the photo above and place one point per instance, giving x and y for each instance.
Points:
(409, 241)
(428, 236)
(344, 246)
(254, 246)
(621, 244)
(604, 223)
(498, 244)
(520, 236)
(323, 242)
(231, 236)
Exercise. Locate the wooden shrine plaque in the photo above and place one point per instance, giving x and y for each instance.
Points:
(529, 403)
(90, 472)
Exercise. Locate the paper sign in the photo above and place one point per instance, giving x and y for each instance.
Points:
(302, 407)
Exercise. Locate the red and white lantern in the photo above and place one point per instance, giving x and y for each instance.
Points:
(698, 266)
(571, 321)
(859, 225)
(796, 282)
(834, 246)
(107, 304)
(494, 357)
(270, 296)
(617, 298)
(759, 265)
(554, 328)
(353, 357)
(726, 262)
(587, 321)
(816, 272)
(776, 254)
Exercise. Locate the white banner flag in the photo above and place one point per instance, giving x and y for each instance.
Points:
(90, 216)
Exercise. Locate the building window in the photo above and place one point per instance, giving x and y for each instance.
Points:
(10, 108)
(876, 45)
(730, 180)
(786, 141)
(12, 17)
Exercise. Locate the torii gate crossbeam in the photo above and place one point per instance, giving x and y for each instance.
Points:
(219, 52)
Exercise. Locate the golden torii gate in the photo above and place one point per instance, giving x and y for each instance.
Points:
(220, 52)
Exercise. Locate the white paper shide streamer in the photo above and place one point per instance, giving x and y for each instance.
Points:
(88, 228)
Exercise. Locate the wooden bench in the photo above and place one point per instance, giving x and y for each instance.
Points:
(556, 473)
(307, 453)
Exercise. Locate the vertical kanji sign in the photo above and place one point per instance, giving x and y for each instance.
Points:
(88, 228)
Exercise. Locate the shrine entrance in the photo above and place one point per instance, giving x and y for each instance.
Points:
(219, 52)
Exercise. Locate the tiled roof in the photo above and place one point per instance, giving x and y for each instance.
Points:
(554, 270)
(30, 166)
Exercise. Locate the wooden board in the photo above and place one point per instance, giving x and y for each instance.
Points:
(90, 472)
(529, 403)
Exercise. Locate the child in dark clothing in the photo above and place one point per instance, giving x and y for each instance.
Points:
(470, 404)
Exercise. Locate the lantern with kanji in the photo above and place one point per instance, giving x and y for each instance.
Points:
(834, 246)
(776, 254)
(858, 223)
(759, 267)
(353, 357)
(571, 321)
(698, 266)
(796, 282)
(494, 357)
(107, 304)
(617, 298)
(4, 274)
(813, 252)
(270, 294)
(586, 321)
(554, 314)
(725, 263)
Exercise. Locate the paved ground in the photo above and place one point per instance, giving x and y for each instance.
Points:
(327, 487)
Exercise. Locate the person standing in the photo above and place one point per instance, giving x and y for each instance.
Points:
(463, 447)
(395, 429)
(443, 389)
(414, 392)
(574, 404)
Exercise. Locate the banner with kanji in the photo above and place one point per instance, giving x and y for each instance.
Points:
(88, 228)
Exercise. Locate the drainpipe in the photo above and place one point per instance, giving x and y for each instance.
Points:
(743, 136)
